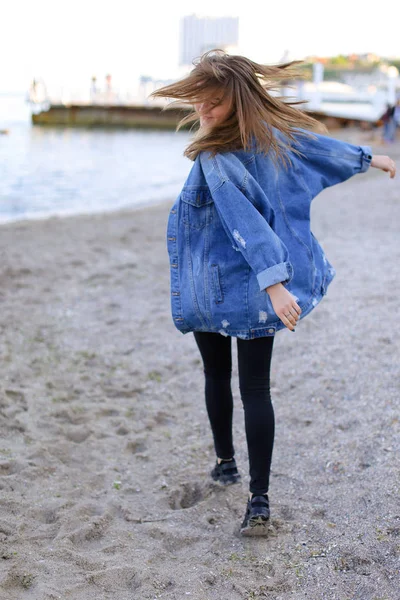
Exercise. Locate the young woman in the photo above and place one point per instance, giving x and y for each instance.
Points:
(243, 260)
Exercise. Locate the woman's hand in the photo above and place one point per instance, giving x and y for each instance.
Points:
(284, 305)
(385, 163)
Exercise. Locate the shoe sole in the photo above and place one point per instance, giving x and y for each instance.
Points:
(256, 526)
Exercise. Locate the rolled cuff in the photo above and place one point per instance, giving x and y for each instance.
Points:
(280, 273)
(366, 158)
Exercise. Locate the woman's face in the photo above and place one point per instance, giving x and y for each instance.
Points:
(213, 111)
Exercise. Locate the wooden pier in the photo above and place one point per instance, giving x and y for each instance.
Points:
(151, 117)
(86, 115)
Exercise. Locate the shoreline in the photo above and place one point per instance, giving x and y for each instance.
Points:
(101, 212)
(353, 135)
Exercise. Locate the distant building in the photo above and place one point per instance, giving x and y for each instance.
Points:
(199, 34)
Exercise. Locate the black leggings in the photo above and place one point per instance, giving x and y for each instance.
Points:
(254, 362)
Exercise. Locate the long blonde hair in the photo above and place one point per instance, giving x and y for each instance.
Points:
(254, 110)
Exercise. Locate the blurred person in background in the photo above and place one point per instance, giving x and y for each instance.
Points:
(109, 94)
(389, 124)
(396, 115)
(243, 260)
(94, 90)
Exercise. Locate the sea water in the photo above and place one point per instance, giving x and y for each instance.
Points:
(46, 171)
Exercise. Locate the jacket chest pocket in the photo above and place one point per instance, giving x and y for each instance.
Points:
(197, 205)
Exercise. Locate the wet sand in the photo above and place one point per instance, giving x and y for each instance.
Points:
(106, 449)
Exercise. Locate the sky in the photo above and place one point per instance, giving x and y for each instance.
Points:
(65, 43)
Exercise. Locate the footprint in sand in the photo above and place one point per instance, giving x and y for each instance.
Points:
(40, 523)
(136, 446)
(122, 430)
(91, 533)
(77, 434)
(175, 541)
(13, 402)
(6, 529)
(23, 272)
(122, 267)
(188, 495)
(73, 416)
(10, 467)
(115, 579)
(18, 579)
(115, 392)
(77, 263)
(97, 279)
(9, 411)
(107, 412)
(81, 524)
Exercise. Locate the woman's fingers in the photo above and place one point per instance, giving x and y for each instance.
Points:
(288, 323)
(296, 308)
(385, 163)
(291, 315)
(292, 318)
(390, 167)
(284, 305)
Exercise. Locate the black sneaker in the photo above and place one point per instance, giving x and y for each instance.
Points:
(256, 519)
(226, 473)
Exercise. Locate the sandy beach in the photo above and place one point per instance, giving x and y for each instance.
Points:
(106, 449)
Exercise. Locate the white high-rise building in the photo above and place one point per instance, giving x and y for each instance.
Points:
(199, 34)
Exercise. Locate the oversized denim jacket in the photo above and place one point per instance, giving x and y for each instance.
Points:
(240, 225)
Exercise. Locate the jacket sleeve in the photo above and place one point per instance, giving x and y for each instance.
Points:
(250, 233)
(327, 161)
